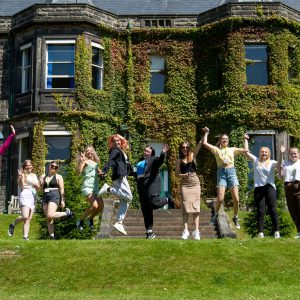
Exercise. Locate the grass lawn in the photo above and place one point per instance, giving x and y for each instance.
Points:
(147, 269)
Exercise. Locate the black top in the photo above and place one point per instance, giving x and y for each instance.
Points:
(189, 167)
(52, 184)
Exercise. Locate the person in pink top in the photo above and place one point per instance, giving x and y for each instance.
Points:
(7, 142)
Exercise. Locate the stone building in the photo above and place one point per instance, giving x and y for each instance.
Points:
(37, 59)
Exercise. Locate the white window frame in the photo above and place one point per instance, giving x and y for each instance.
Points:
(156, 71)
(24, 69)
(56, 42)
(101, 66)
(19, 137)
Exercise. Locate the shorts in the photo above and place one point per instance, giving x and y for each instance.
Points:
(227, 177)
(51, 196)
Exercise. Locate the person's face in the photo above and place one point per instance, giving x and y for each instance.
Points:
(185, 148)
(89, 153)
(294, 155)
(53, 168)
(147, 152)
(28, 167)
(116, 142)
(224, 140)
(264, 154)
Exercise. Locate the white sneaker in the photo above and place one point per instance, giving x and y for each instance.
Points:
(119, 227)
(103, 190)
(185, 234)
(297, 236)
(276, 235)
(261, 235)
(196, 235)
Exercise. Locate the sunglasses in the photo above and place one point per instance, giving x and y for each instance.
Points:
(185, 147)
(54, 167)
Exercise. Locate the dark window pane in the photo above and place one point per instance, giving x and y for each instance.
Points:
(256, 52)
(61, 69)
(147, 23)
(60, 53)
(96, 78)
(58, 147)
(59, 83)
(154, 23)
(168, 23)
(157, 83)
(96, 56)
(161, 23)
(257, 73)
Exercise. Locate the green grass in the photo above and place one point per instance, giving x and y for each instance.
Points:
(147, 269)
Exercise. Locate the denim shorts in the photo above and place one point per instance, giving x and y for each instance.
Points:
(227, 177)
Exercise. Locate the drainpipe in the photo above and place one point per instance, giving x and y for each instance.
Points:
(10, 110)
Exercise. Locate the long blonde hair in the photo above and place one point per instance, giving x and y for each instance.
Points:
(25, 162)
(124, 142)
(95, 156)
(267, 161)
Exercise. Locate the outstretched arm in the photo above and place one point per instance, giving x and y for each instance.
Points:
(204, 139)
(246, 147)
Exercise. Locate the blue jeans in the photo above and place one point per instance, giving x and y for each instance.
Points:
(227, 177)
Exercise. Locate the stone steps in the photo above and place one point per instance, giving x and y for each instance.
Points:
(167, 225)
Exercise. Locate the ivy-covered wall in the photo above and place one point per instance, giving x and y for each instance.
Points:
(205, 86)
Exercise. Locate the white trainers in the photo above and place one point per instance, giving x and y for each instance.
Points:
(104, 189)
(297, 236)
(276, 235)
(261, 235)
(185, 234)
(119, 227)
(196, 235)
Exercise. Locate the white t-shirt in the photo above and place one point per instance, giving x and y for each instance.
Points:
(291, 171)
(264, 173)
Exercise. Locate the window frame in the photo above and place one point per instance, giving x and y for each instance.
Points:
(257, 61)
(157, 71)
(26, 87)
(99, 67)
(57, 42)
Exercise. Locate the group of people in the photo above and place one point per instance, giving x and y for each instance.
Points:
(148, 180)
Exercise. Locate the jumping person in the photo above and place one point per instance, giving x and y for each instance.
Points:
(53, 197)
(264, 188)
(189, 187)
(118, 162)
(226, 175)
(28, 183)
(88, 166)
(149, 185)
(290, 173)
(7, 142)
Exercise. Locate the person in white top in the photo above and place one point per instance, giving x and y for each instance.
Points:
(290, 173)
(264, 188)
(28, 183)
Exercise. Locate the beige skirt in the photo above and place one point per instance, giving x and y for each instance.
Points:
(190, 193)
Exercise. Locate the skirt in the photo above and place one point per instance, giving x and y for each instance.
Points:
(27, 198)
(190, 194)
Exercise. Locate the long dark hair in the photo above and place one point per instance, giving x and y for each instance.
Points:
(189, 154)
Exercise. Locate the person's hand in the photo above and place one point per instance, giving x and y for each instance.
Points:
(62, 203)
(282, 149)
(246, 137)
(20, 173)
(82, 158)
(205, 129)
(165, 148)
(12, 129)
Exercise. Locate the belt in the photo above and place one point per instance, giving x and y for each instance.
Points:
(50, 189)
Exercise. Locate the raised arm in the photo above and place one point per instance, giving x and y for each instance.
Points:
(81, 163)
(7, 142)
(198, 147)
(204, 139)
(246, 147)
(280, 162)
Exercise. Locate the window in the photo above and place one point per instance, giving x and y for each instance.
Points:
(157, 23)
(23, 146)
(293, 72)
(59, 145)
(26, 68)
(60, 64)
(157, 68)
(256, 64)
(97, 66)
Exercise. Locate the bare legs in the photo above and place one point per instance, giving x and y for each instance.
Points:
(26, 216)
(96, 206)
(234, 195)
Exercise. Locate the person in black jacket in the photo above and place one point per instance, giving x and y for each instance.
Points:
(118, 162)
(149, 185)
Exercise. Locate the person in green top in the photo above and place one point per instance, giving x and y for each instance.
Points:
(88, 167)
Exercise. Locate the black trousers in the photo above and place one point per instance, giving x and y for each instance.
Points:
(150, 200)
(292, 194)
(265, 196)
